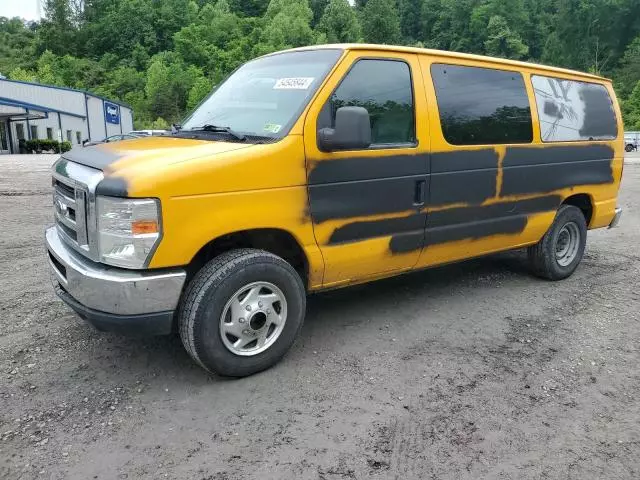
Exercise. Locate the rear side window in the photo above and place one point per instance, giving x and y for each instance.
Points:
(481, 106)
(573, 111)
(383, 87)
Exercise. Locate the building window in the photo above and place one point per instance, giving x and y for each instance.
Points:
(78, 138)
(20, 131)
(383, 87)
(69, 136)
(50, 133)
(482, 106)
(34, 131)
(573, 111)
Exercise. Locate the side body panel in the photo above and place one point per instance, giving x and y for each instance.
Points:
(489, 198)
(362, 203)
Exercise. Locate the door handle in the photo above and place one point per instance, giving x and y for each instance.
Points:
(418, 195)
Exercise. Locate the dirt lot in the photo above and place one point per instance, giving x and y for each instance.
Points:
(471, 371)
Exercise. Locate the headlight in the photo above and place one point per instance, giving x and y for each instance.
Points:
(128, 230)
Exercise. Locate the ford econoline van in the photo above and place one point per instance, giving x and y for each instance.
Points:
(322, 167)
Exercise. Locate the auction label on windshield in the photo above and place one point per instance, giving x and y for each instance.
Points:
(293, 83)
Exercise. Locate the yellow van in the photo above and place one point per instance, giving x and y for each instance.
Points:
(322, 167)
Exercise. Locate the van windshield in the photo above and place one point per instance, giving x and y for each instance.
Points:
(264, 97)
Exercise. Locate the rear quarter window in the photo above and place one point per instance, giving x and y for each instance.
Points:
(571, 111)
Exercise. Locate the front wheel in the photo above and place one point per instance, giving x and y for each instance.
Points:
(557, 255)
(242, 312)
(629, 147)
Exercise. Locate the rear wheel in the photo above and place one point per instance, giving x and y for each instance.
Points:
(628, 147)
(557, 255)
(242, 312)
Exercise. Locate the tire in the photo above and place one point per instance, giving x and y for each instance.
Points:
(546, 257)
(220, 286)
(629, 147)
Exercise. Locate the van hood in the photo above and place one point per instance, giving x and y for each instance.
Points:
(111, 157)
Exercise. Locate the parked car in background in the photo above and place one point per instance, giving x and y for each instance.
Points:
(631, 141)
(112, 138)
(148, 133)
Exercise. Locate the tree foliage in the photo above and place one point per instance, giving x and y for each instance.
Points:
(164, 56)
(381, 22)
(339, 22)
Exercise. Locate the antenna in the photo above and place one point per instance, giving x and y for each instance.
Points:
(39, 9)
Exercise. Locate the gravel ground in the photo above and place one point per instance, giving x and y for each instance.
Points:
(470, 371)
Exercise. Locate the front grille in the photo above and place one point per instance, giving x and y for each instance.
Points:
(70, 205)
(74, 202)
(63, 188)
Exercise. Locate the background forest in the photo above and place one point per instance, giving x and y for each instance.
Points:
(163, 56)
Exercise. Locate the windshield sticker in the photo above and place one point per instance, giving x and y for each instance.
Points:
(293, 83)
(272, 127)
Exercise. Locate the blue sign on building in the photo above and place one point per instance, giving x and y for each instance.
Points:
(112, 113)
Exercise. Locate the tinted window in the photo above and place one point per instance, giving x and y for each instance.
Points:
(572, 111)
(482, 106)
(383, 87)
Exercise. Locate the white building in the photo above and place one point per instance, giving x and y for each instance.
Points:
(32, 111)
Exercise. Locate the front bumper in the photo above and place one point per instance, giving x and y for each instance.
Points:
(114, 299)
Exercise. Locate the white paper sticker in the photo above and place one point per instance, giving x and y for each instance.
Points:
(293, 83)
(272, 127)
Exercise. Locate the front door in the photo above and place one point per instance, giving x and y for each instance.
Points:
(4, 137)
(367, 205)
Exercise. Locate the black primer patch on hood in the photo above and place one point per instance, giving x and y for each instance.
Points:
(94, 156)
(112, 187)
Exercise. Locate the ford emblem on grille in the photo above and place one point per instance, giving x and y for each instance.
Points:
(61, 207)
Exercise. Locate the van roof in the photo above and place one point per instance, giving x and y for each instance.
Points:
(447, 54)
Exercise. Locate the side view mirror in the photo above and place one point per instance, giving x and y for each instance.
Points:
(352, 131)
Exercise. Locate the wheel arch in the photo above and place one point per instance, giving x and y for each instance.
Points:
(584, 202)
(278, 241)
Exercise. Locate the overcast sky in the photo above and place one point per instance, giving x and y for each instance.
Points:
(27, 9)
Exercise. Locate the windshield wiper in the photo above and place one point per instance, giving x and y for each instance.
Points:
(216, 128)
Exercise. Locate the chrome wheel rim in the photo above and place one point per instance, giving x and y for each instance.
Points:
(253, 318)
(567, 244)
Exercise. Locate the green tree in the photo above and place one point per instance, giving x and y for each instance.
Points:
(117, 25)
(628, 74)
(288, 24)
(17, 45)
(339, 23)
(502, 41)
(410, 19)
(169, 82)
(57, 33)
(201, 88)
(20, 73)
(380, 22)
(318, 7)
(631, 109)
(249, 8)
